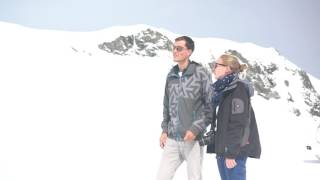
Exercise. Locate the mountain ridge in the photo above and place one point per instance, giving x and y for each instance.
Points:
(266, 65)
(261, 70)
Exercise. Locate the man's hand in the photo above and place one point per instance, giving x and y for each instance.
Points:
(189, 136)
(230, 163)
(163, 140)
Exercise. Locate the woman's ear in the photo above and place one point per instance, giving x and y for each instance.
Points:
(229, 69)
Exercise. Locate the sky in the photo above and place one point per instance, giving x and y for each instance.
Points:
(290, 26)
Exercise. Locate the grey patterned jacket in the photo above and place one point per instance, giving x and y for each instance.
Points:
(187, 101)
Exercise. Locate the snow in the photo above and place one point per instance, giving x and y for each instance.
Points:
(315, 82)
(70, 115)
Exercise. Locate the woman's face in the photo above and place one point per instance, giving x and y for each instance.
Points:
(220, 69)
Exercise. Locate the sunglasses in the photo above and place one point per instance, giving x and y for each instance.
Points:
(214, 65)
(178, 48)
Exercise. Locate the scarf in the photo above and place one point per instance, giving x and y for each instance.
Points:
(219, 86)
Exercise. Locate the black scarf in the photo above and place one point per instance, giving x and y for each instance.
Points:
(219, 86)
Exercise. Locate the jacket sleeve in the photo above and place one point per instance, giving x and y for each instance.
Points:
(166, 116)
(239, 120)
(206, 117)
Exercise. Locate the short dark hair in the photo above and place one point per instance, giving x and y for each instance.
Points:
(188, 40)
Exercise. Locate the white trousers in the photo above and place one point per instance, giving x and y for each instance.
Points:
(174, 153)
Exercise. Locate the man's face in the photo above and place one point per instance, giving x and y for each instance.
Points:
(180, 51)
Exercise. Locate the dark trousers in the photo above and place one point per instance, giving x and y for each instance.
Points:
(236, 173)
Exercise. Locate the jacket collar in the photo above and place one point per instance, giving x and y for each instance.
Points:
(187, 72)
(234, 84)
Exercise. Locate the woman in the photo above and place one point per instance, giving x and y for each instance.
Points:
(237, 134)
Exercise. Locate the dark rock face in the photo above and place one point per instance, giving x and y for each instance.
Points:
(145, 43)
(311, 96)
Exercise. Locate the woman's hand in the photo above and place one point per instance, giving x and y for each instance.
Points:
(230, 163)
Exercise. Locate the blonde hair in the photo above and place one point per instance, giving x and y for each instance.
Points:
(233, 62)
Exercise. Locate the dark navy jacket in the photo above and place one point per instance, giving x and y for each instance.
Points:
(236, 132)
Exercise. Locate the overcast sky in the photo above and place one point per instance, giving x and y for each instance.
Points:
(290, 26)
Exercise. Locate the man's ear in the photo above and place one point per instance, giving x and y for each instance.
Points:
(189, 52)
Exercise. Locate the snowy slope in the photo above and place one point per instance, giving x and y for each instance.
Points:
(70, 110)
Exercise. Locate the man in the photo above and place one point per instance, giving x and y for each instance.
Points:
(186, 113)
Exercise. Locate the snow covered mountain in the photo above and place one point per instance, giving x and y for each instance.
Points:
(88, 105)
(273, 75)
(145, 43)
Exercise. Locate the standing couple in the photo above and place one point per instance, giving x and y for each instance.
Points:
(192, 102)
